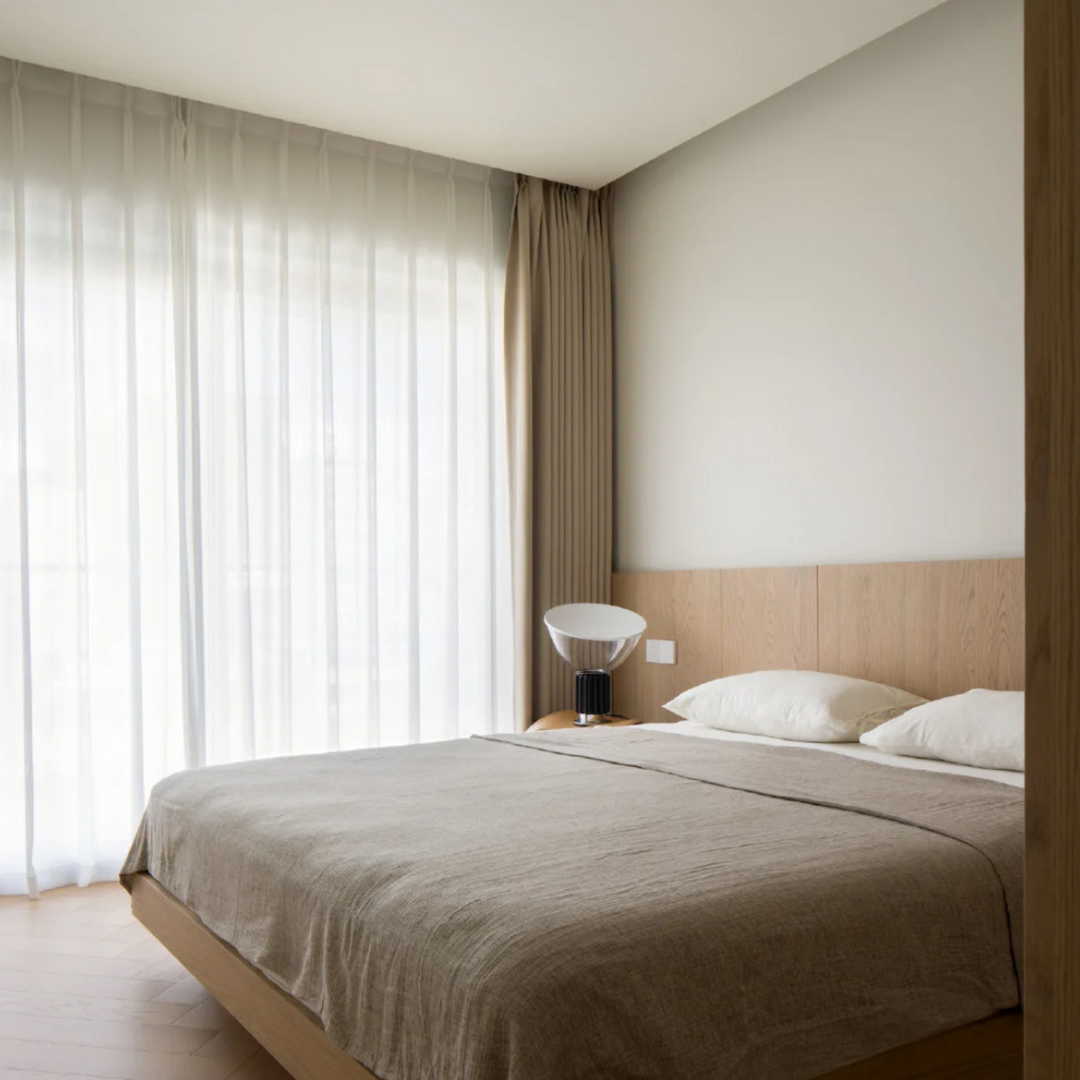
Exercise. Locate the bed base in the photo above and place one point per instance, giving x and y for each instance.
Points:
(989, 1050)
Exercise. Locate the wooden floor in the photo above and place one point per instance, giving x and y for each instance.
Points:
(85, 991)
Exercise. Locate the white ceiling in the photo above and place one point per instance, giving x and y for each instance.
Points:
(575, 90)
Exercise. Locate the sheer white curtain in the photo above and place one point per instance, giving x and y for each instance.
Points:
(252, 454)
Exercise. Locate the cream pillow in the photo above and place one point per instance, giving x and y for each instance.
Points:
(984, 728)
(809, 706)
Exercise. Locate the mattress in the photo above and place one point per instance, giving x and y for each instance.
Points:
(620, 903)
(854, 750)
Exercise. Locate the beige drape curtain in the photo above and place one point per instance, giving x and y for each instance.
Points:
(559, 421)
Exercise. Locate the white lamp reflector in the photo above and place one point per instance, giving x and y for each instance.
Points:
(594, 636)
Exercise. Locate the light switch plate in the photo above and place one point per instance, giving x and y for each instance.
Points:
(659, 652)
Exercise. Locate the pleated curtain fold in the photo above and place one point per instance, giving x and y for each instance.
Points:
(558, 354)
(253, 473)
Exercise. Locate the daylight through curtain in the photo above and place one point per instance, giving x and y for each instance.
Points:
(252, 454)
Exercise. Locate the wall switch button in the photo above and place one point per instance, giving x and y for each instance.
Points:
(659, 652)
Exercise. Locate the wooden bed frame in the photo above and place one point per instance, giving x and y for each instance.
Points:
(989, 1050)
(933, 628)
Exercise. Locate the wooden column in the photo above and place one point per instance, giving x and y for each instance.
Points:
(1052, 921)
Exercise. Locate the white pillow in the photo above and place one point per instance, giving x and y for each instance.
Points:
(810, 706)
(984, 728)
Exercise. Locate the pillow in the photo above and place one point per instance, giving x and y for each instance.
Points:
(810, 706)
(984, 728)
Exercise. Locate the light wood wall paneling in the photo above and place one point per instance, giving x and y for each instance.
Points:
(769, 619)
(723, 622)
(874, 623)
(681, 605)
(935, 628)
(699, 598)
(637, 683)
(994, 638)
(1052, 188)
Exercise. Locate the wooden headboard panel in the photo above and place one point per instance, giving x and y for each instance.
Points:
(934, 628)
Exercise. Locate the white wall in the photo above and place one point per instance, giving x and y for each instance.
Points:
(819, 315)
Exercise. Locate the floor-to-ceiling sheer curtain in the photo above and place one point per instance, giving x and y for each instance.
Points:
(252, 454)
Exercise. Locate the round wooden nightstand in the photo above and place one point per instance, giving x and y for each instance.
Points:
(566, 718)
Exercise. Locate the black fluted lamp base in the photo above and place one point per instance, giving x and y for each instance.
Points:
(592, 693)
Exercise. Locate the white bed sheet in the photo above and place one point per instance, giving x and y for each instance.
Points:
(856, 750)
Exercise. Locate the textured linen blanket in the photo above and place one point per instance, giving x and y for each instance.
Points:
(604, 904)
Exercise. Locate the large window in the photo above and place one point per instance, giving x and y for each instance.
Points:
(252, 458)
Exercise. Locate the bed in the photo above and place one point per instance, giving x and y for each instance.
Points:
(616, 903)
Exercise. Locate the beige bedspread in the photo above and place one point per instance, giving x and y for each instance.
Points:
(601, 905)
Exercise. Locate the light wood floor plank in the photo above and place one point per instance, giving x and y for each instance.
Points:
(158, 1038)
(54, 945)
(146, 951)
(45, 982)
(132, 932)
(41, 913)
(207, 1014)
(185, 991)
(56, 929)
(260, 1066)
(30, 959)
(69, 894)
(72, 1007)
(22, 1074)
(113, 1064)
(168, 970)
(86, 993)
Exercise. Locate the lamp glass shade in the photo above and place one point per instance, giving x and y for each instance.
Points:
(597, 637)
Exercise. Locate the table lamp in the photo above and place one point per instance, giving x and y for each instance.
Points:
(594, 639)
